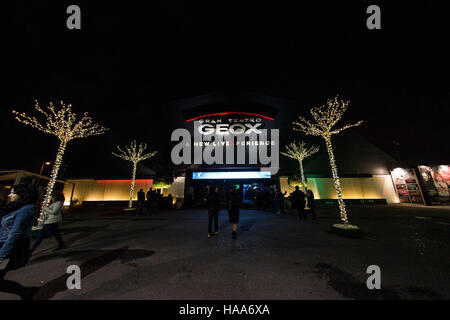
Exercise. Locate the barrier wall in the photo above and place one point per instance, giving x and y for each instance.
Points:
(115, 190)
(375, 187)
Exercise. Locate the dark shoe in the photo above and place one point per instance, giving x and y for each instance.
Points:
(59, 248)
(233, 235)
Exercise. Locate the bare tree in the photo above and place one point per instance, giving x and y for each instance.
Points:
(300, 151)
(62, 123)
(135, 154)
(326, 117)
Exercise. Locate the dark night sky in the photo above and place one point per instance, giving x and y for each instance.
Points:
(129, 60)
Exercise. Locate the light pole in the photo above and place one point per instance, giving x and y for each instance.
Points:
(44, 164)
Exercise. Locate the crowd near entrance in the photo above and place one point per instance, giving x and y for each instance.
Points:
(249, 191)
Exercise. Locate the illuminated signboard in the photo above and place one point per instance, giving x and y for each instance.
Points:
(231, 175)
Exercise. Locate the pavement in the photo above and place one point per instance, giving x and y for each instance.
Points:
(167, 255)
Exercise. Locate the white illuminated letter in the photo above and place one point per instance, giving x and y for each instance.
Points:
(209, 129)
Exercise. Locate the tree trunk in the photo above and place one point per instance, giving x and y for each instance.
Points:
(130, 204)
(302, 174)
(51, 183)
(336, 181)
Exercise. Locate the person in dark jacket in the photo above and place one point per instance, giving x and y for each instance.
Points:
(234, 201)
(15, 228)
(310, 196)
(141, 201)
(300, 202)
(149, 199)
(213, 204)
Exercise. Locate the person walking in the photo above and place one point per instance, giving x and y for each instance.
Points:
(149, 199)
(51, 222)
(234, 201)
(310, 196)
(141, 201)
(213, 204)
(299, 200)
(15, 229)
(281, 200)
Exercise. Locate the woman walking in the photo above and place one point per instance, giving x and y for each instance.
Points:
(213, 203)
(54, 216)
(234, 201)
(17, 219)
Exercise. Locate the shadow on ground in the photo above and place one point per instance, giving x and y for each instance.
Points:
(101, 259)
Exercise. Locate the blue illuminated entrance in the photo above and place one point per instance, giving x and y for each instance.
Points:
(231, 175)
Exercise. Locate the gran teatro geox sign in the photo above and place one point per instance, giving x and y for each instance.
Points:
(228, 139)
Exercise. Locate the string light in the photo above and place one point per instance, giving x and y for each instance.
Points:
(326, 117)
(299, 152)
(63, 123)
(135, 154)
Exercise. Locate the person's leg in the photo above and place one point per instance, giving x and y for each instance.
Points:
(234, 228)
(304, 214)
(216, 222)
(298, 214)
(210, 217)
(39, 238)
(57, 234)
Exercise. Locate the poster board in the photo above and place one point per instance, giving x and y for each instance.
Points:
(436, 184)
(407, 186)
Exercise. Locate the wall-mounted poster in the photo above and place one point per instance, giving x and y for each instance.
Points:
(436, 183)
(407, 186)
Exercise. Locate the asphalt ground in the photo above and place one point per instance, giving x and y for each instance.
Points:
(167, 255)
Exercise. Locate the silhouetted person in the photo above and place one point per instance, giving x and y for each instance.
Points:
(234, 201)
(149, 199)
(281, 200)
(170, 200)
(141, 201)
(299, 200)
(311, 205)
(213, 204)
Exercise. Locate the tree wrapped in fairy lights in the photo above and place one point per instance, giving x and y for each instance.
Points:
(326, 117)
(300, 151)
(66, 126)
(135, 154)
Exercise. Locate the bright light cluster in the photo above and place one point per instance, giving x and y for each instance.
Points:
(64, 124)
(326, 117)
(135, 154)
(300, 151)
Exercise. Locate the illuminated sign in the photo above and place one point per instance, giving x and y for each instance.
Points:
(231, 175)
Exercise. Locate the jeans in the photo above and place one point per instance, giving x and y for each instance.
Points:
(213, 215)
(54, 230)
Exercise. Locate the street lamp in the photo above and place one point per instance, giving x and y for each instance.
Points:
(44, 164)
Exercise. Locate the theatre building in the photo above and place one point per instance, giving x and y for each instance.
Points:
(234, 140)
(364, 169)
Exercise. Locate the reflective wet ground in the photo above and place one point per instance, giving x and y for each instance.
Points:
(167, 255)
